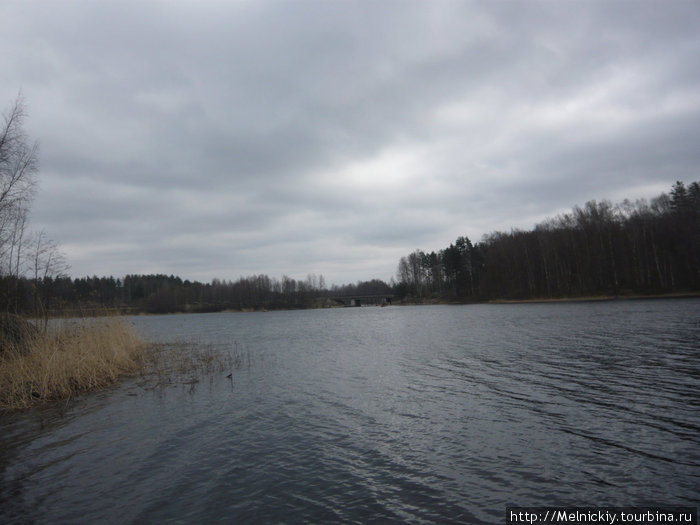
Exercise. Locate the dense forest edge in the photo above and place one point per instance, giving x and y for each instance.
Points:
(600, 249)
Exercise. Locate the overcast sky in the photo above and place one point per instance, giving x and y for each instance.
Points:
(220, 139)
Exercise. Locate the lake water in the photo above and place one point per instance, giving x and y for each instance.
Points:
(425, 414)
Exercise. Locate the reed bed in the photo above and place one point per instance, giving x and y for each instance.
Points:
(73, 357)
(68, 359)
(185, 363)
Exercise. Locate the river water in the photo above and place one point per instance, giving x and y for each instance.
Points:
(425, 414)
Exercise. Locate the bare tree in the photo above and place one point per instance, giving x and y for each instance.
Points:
(19, 163)
(47, 263)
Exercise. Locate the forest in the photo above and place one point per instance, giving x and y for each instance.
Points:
(599, 249)
(62, 295)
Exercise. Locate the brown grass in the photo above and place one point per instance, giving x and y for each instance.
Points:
(74, 357)
(69, 359)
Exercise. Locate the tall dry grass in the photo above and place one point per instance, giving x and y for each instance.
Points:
(66, 360)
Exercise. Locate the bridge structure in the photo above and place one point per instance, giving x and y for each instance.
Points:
(365, 300)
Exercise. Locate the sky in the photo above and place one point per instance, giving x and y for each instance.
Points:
(224, 139)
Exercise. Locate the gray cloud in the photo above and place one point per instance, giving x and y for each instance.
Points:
(222, 139)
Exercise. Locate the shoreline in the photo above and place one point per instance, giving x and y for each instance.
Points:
(97, 312)
(596, 298)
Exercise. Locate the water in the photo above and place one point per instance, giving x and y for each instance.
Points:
(436, 414)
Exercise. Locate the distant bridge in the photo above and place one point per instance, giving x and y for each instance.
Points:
(365, 300)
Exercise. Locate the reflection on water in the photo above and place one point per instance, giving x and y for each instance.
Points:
(419, 414)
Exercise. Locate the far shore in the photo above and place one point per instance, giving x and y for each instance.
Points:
(594, 298)
(96, 311)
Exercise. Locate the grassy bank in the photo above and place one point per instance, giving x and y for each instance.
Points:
(68, 359)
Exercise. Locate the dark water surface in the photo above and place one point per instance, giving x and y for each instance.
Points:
(407, 414)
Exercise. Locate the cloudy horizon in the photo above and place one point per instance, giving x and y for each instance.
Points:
(225, 139)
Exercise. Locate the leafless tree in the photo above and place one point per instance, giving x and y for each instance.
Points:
(47, 263)
(19, 163)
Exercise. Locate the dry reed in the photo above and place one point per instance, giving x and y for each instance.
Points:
(184, 363)
(69, 359)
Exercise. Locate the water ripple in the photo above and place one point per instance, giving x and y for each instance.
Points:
(407, 415)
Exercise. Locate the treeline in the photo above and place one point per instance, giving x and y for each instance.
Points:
(33, 277)
(598, 249)
(167, 294)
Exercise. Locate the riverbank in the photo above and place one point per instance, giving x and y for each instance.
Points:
(90, 310)
(68, 359)
(590, 298)
(573, 299)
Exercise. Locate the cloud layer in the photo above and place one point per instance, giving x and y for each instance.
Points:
(219, 139)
